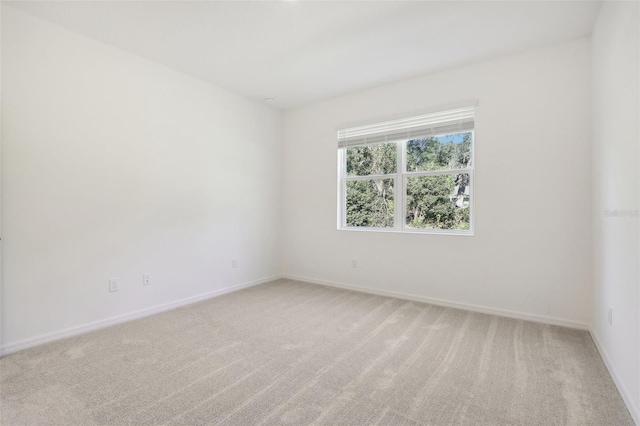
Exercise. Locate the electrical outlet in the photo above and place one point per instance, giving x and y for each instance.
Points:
(113, 284)
(610, 315)
(354, 263)
(234, 263)
(146, 279)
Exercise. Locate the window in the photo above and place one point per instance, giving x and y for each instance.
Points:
(412, 175)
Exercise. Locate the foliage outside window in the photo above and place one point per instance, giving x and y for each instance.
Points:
(415, 183)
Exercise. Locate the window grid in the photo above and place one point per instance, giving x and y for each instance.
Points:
(399, 187)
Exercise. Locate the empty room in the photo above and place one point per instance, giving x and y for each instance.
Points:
(320, 213)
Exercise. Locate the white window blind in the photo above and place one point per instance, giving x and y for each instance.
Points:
(419, 126)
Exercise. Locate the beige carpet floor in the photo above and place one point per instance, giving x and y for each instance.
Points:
(293, 353)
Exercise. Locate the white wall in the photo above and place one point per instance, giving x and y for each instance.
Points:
(531, 250)
(616, 114)
(114, 166)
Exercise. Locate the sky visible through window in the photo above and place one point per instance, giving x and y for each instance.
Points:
(455, 138)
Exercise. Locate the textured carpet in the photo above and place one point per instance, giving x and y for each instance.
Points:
(293, 353)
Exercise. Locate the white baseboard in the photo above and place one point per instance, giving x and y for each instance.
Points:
(448, 303)
(624, 392)
(95, 325)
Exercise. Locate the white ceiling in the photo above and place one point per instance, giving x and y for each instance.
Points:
(299, 52)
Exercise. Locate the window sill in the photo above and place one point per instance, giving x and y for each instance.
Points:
(462, 233)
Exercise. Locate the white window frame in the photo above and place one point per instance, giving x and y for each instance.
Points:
(399, 185)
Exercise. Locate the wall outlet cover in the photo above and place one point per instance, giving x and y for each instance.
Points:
(114, 285)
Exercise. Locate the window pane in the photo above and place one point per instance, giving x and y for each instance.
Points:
(377, 159)
(370, 203)
(451, 151)
(438, 202)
